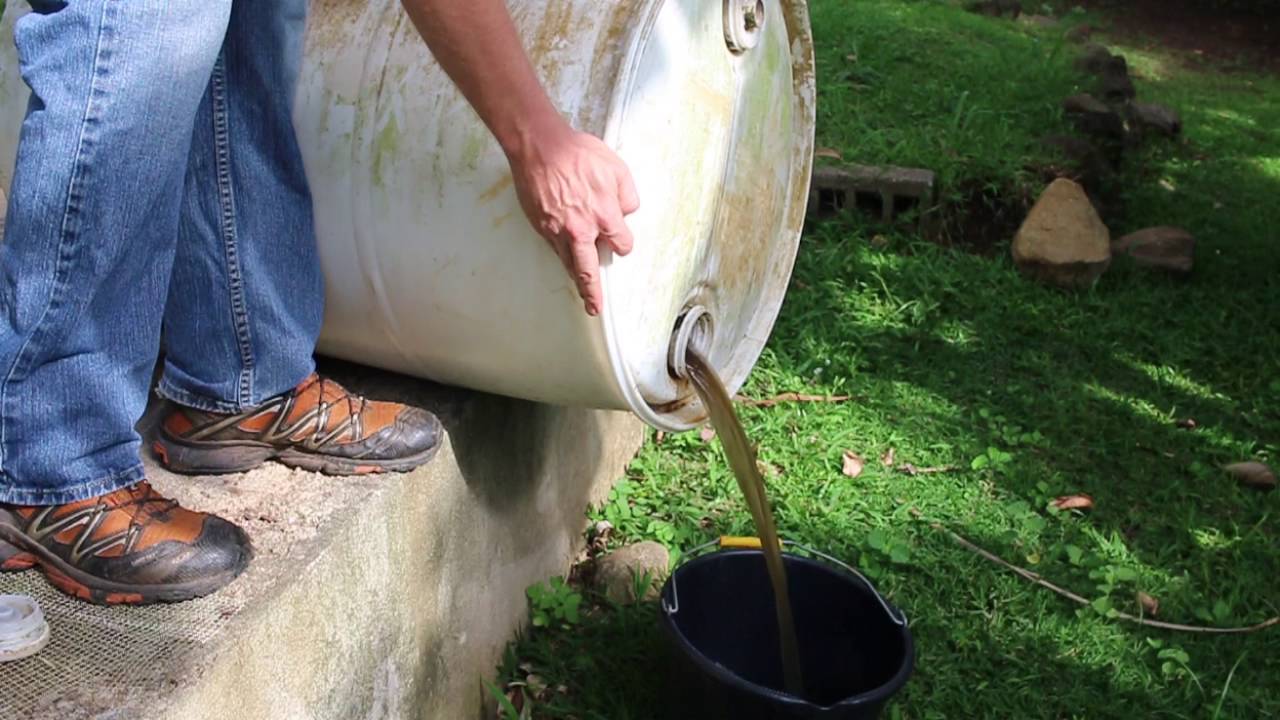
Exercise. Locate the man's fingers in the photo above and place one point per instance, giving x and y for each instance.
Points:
(586, 270)
(628, 197)
(615, 233)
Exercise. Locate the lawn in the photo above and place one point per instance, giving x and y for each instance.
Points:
(955, 361)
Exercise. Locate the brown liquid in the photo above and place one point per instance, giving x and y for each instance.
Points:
(742, 460)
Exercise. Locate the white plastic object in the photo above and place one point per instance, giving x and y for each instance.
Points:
(431, 268)
(23, 630)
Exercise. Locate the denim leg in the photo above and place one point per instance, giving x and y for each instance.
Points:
(90, 235)
(246, 300)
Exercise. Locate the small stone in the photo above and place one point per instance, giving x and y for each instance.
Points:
(1063, 242)
(617, 573)
(1094, 117)
(1170, 249)
(1150, 116)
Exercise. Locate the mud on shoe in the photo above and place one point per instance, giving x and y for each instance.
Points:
(317, 426)
(129, 547)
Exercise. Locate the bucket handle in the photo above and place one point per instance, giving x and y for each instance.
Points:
(896, 615)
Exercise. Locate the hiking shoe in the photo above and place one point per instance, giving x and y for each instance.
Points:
(129, 547)
(317, 426)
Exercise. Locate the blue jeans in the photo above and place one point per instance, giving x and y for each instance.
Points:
(158, 182)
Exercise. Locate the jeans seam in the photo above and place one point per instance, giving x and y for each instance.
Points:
(94, 487)
(169, 391)
(227, 216)
(68, 228)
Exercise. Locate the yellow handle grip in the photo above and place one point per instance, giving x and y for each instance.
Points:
(733, 542)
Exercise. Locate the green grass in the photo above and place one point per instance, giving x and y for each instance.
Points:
(952, 356)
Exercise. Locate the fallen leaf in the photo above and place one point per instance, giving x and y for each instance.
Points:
(826, 152)
(887, 458)
(789, 398)
(659, 437)
(1187, 423)
(1253, 474)
(851, 57)
(853, 464)
(1074, 502)
(707, 433)
(879, 241)
(767, 469)
(1149, 605)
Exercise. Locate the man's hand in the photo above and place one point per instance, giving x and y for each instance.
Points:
(576, 191)
(573, 188)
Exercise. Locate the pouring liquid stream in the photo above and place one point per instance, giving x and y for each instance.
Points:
(742, 460)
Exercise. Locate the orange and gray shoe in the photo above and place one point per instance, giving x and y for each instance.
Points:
(129, 547)
(316, 426)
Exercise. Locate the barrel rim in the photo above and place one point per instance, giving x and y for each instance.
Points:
(800, 37)
(878, 694)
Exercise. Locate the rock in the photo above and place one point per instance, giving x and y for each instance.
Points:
(1063, 242)
(1094, 58)
(1094, 117)
(1158, 118)
(1038, 21)
(1080, 34)
(996, 8)
(1115, 85)
(616, 573)
(1170, 249)
(1085, 163)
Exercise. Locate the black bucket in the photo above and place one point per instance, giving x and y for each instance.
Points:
(717, 609)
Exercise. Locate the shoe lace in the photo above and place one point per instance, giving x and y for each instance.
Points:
(145, 503)
(355, 406)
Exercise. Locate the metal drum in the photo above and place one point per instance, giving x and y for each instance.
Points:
(430, 266)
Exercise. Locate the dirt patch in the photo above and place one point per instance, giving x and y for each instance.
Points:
(1237, 40)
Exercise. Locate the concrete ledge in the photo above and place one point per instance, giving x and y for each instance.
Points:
(384, 597)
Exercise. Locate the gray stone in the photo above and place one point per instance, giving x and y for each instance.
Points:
(1157, 118)
(1170, 249)
(1093, 117)
(369, 597)
(1063, 242)
(618, 573)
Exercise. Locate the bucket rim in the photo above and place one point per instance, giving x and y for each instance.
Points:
(880, 693)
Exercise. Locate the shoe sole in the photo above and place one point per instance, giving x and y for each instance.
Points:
(98, 591)
(220, 458)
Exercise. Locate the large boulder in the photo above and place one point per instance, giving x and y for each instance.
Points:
(1170, 249)
(618, 573)
(1063, 242)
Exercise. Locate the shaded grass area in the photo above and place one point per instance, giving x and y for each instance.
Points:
(954, 360)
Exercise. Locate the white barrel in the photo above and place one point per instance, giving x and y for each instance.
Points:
(430, 266)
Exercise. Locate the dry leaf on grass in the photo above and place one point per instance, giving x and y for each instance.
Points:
(1074, 502)
(853, 464)
(1149, 605)
(826, 152)
(886, 459)
(1187, 423)
(707, 433)
(1253, 474)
